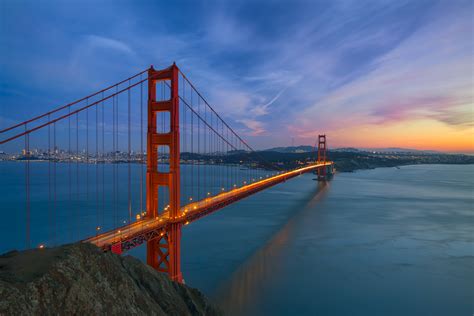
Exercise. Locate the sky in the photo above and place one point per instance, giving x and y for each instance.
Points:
(367, 74)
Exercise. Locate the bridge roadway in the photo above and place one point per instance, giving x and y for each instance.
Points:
(134, 234)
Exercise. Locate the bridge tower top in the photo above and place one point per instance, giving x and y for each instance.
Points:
(322, 148)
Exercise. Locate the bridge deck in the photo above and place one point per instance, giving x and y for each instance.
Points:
(134, 234)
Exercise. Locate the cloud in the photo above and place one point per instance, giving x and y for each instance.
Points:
(256, 127)
(260, 110)
(223, 30)
(95, 41)
(426, 76)
(446, 109)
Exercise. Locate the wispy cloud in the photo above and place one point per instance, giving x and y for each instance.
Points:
(256, 128)
(95, 41)
(260, 110)
(426, 76)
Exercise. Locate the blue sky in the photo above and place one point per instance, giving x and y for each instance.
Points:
(367, 73)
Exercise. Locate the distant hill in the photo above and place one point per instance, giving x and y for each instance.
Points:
(345, 149)
(400, 150)
(307, 148)
(292, 149)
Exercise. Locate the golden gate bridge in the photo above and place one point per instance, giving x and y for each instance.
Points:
(180, 159)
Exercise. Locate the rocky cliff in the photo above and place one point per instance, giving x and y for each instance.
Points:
(80, 279)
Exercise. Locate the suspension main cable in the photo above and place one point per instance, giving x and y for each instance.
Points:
(212, 109)
(70, 104)
(222, 120)
(117, 92)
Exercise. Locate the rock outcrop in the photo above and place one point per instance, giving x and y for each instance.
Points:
(79, 279)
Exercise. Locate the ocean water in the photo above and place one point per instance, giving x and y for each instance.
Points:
(380, 242)
(388, 241)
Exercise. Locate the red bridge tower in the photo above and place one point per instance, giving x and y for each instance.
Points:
(163, 252)
(322, 156)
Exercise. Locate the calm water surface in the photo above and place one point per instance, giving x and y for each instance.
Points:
(380, 242)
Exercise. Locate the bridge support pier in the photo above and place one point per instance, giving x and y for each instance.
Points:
(164, 252)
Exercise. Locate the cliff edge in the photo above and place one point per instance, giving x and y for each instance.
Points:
(80, 279)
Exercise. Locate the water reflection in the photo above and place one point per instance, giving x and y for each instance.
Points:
(238, 294)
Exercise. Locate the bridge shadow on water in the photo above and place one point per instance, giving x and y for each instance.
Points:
(239, 293)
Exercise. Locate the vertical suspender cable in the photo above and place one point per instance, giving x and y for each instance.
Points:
(183, 148)
(69, 175)
(54, 185)
(192, 147)
(103, 162)
(77, 178)
(129, 158)
(205, 149)
(97, 168)
(50, 239)
(87, 156)
(141, 145)
(222, 156)
(219, 142)
(117, 151)
(114, 162)
(227, 158)
(215, 156)
(27, 189)
(211, 169)
(199, 149)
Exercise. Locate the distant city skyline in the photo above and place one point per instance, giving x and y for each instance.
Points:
(369, 74)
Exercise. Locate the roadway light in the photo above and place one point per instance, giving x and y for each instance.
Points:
(41, 246)
(97, 228)
(138, 217)
(190, 198)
